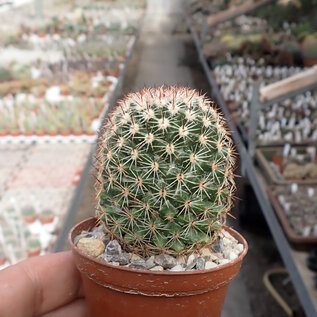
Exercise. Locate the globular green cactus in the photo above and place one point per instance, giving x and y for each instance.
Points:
(164, 171)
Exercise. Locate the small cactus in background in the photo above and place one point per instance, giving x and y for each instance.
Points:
(309, 47)
(33, 246)
(5, 75)
(165, 171)
(29, 214)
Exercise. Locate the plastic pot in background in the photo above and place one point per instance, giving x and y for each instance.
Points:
(116, 291)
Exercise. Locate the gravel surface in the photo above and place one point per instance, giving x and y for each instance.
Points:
(97, 244)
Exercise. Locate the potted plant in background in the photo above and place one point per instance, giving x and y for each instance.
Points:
(33, 246)
(65, 90)
(64, 119)
(29, 214)
(3, 128)
(309, 50)
(2, 257)
(28, 127)
(39, 91)
(46, 216)
(51, 128)
(159, 245)
(86, 124)
(40, 126)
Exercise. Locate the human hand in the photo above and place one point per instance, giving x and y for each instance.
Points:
(47, 286)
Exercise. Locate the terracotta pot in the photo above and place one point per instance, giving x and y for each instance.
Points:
(90, 132)
(79, 171)
(41, 34)
(3, 133)
(30, 219)
(65, 132)
(52, 133)
(40, 95)
(33, 252)
(115, 291)
(76, 180)
(46, 219)
(113, 72)
(14, 133)
(64, 91)
(308, 62)
(39, 133)
(76, 132)
(100, 96)
(278, 161)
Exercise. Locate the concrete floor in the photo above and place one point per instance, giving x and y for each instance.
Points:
(160, 51)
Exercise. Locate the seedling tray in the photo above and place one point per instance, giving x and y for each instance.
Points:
(265, 155)
(298, 242)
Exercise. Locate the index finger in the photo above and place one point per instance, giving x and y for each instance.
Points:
(39, 285)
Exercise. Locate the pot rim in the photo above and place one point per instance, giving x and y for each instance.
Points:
(164, 273)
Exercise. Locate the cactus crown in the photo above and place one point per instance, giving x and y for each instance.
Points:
(165, 171)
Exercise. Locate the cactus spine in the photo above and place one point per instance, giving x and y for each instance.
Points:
(165, 171)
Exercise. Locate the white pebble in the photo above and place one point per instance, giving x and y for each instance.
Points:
(223, 261)
(226, 241)
(181, 259)
(210, 265)
(294, 188)
(157, 268)
(115, 263)
(90, 246)
(310, 192)
(190, 259)
(135, 257)
(177, 268)
(240, 247)
(226, 253)
(306, 231)
(226, 234)
(232, 256)
(205, 252)
(214, 257)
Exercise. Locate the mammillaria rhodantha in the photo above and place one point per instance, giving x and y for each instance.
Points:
(164, 171)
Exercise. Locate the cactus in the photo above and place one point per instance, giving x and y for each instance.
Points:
(165, 172)
(29, 214)
(34, 246)
(309, 46)
(5, 74)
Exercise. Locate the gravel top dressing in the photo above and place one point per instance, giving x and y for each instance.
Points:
(97, 244)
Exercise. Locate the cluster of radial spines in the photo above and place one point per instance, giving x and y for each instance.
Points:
(165, 171)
